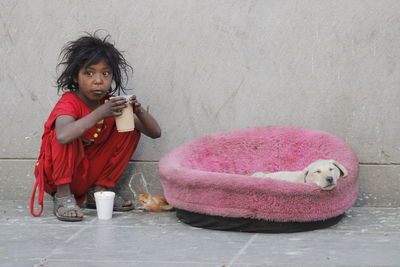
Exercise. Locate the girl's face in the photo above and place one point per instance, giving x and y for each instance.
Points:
(94, 83)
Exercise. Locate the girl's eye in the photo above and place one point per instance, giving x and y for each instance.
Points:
(89, 73)
(107, 73)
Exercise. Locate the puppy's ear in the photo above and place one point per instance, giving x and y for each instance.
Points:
(342, 169)
(303, 176)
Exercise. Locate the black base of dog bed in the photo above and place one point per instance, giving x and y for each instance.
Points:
(250, 225)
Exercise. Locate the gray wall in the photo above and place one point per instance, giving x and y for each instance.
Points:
(203, 66)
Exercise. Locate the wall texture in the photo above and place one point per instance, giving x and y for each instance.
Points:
(208, 66)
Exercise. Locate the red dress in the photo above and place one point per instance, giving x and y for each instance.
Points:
(98, 157)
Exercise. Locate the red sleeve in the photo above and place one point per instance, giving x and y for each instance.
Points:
(67, 105)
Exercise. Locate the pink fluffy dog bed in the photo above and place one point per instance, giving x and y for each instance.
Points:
(205, 180)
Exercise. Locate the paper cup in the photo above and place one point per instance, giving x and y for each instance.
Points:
(125, 122)
(104, 204)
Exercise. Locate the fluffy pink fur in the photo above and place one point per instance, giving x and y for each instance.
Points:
(207, 175)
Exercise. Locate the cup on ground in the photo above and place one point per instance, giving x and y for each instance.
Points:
(104, 204)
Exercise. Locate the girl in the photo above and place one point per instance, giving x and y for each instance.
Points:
(81, 149)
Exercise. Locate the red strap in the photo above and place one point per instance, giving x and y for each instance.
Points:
(39, 183)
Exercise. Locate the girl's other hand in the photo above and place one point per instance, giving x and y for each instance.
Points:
(137, 107)
(144, 122)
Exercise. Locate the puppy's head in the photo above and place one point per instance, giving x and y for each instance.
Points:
(324, 173)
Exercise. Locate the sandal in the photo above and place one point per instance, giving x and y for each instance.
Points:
(118, 202)
(64, 204)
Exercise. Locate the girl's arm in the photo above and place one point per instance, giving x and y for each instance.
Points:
(68, 129)
(144, 122)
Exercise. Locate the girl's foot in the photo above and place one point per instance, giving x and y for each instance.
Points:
(65, 209)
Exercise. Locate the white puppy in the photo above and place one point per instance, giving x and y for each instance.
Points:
(324, 173)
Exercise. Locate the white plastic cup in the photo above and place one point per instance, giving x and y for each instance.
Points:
(104, 204)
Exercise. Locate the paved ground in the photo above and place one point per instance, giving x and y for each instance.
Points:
(365, 237)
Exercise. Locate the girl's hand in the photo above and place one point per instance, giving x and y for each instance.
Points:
(144, 122)
(113, 107)
(136, 106)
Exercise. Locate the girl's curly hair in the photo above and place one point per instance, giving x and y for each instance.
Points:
(89, 50)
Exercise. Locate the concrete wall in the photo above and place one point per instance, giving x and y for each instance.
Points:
(208, 66)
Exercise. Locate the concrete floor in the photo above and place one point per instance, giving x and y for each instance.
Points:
(365, 237)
